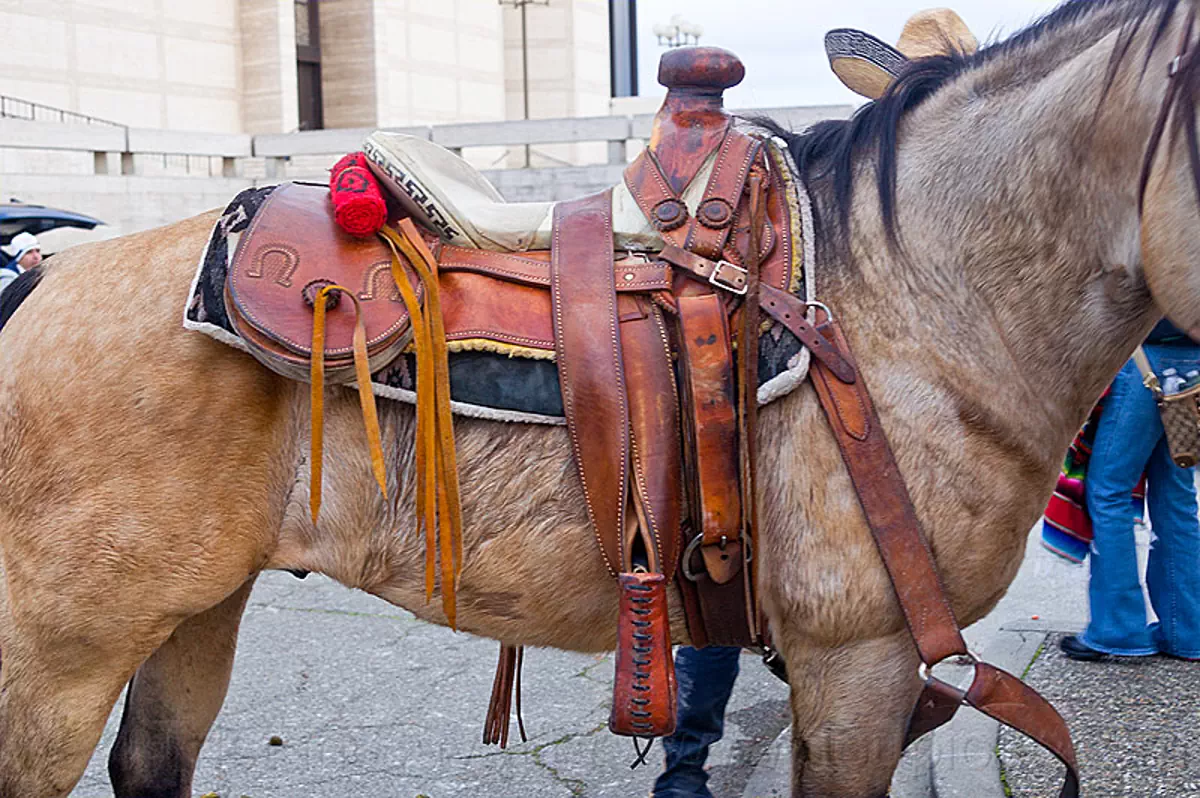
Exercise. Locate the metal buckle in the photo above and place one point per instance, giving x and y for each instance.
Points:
(729, 285)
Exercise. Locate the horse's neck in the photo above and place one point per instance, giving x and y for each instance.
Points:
(1018, 214)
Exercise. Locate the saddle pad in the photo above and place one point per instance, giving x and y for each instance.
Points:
(483, 384)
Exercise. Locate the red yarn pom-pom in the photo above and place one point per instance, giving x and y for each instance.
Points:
(358, 204)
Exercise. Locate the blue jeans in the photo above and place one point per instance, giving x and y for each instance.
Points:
(1130, 440)
(705, 677)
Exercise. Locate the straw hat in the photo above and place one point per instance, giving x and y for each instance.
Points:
(868, 65)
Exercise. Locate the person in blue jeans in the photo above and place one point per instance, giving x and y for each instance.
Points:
(1129, 440)
(705, 678)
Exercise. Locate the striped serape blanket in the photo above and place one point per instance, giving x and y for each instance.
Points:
(1066, 527)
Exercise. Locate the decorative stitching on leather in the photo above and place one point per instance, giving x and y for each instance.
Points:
(656, 315)
(650, 166)
(788, 202)
(619, 364)
(732, 137)
(256, 323)
(491, 254)
(641, 677)
(474, 268)
(639, 480)
(500, 336)
(839, 405)
(711, 187)
(568, 392)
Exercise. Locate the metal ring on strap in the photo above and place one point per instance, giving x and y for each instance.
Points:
(924, 671)
(686, 562)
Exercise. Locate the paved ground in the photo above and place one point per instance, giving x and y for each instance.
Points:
(370, 702)
(1135, 724)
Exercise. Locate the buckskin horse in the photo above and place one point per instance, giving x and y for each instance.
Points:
(986, 238)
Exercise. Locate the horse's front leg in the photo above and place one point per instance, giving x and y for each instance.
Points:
(850, 711)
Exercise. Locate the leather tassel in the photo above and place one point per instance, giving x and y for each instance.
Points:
(438, 495)
(365, 397)
(425, 263)
(426, 498)
(507, 681)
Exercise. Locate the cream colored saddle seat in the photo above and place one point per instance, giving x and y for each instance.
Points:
(448, 195)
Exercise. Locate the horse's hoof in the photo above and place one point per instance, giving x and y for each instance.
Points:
(1076, 649)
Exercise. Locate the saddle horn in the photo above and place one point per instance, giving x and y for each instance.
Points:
(692, 121)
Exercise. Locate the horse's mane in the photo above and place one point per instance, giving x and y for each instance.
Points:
(826, 153)
(17, 292)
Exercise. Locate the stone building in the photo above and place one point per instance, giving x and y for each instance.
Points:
(276, 66)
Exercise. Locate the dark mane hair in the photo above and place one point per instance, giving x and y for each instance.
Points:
(825, 154)
(17, 292)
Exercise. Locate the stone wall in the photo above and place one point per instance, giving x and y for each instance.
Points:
(171, 64)
(230, 65)
(568, 65)
(141, 178)
(268, 67)
(439, 62)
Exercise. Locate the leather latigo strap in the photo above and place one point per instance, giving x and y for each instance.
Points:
(644, 689)
(901, 542)
(707, 357)
(748, 339)
(719, 604)
(591, 371)
(656, 463)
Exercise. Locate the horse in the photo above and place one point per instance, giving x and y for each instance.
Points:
(984, 239)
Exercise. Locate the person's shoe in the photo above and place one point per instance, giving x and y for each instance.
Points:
(1076, 649)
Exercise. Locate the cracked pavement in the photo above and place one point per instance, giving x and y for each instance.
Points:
(371, 702)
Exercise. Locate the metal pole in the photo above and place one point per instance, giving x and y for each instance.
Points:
(525, 74)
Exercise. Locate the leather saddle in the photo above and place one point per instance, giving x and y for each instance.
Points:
(641, 295)
(645, 315)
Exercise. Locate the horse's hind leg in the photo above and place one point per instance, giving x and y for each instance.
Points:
(850, 709)
(61, 672)
(172, 701)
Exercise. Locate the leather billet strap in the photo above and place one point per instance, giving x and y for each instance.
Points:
(655, 462)
(587, 343)
(889, 511)
(706, 352)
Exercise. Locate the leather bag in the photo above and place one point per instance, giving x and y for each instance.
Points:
(1180, 414)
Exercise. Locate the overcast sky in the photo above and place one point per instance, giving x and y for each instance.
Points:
(781, 41)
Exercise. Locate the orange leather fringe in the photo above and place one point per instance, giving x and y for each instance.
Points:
(365, 397)
(438, 500)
